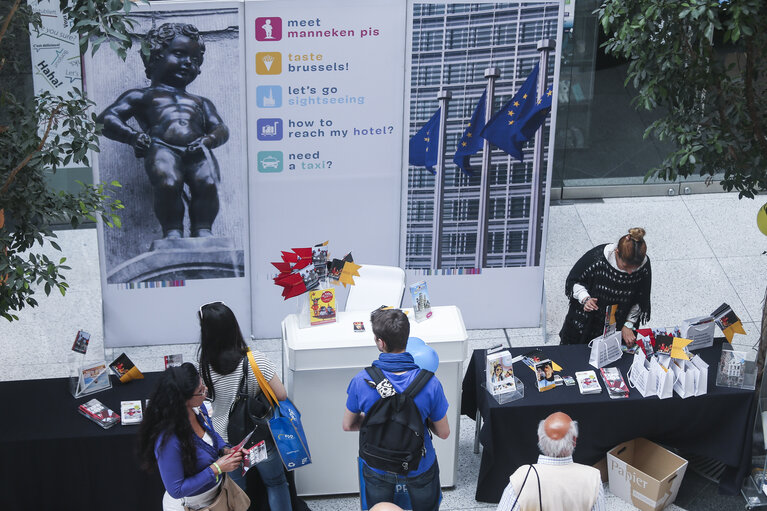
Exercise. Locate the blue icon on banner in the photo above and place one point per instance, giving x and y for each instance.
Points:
(269, 129)
(269, 96)
(269, 161)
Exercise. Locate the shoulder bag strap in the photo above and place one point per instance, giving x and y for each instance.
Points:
(540, 502)
(265, 388)
(519, 491)
(243, 389)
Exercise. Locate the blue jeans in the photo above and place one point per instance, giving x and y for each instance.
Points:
(423, 489)
(272, 474)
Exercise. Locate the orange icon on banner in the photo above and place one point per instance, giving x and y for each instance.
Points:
(268, 63)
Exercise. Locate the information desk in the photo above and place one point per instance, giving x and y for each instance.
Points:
(318, 364)
(54, 458)
(717, 425)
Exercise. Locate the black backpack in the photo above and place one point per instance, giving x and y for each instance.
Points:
(391, 434)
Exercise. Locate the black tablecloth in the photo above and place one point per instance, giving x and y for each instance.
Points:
(54, 458)
(718, 424)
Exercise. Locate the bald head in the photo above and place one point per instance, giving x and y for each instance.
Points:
(557, 425)
(557, 435)
(386, 506)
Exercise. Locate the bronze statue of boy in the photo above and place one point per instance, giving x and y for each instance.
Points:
(178, 130)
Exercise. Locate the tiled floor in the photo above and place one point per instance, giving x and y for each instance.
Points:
(705, 250)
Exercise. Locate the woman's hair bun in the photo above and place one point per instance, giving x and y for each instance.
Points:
(637, 234)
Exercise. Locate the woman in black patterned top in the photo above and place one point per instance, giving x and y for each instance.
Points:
(615, 273)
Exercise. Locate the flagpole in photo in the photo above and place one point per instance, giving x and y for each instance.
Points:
(492, 74)
(536, 204)
(443, 97)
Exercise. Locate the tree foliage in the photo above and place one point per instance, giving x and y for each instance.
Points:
(703, 63)
(38, 135)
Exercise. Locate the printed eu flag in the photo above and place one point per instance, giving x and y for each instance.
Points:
(424, 144)
(504, 126)
(534, 119)
(471, 142)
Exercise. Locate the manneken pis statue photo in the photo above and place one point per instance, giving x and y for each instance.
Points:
(177, 130)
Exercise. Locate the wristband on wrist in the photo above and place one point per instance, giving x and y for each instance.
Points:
(629, 324)
(217, 467)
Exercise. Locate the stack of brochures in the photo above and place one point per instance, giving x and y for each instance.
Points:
(587, 382)
(98, 413)
(614, 383)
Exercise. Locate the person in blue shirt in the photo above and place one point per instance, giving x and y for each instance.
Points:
(391, 330)
(176, 436)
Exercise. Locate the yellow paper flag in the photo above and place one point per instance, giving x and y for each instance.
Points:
(730, 331)
(677, 348)
(349, 271)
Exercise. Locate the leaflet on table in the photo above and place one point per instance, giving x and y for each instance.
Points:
(131, 412)
(544, 374)
(533, 357)
(614, 383)
(125, 369)
(98, 413)
(499, 374)
(587, 382)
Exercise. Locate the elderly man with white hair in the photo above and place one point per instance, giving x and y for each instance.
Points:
(555, 483)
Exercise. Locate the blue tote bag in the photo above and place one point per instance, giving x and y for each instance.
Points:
(285, 425)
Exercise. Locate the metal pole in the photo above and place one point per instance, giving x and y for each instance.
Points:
(536, 183)
(439, 182)
(491, 73)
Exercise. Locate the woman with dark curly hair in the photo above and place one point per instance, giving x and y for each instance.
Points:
(177, 437)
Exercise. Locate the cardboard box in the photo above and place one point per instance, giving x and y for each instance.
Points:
(645, 474)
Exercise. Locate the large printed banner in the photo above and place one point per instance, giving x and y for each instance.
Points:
(477, 235)
(174, 137)
(325, 98)
(258, 127)
(55, 56)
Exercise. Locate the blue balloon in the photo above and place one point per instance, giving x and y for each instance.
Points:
(425, 357)
(414, 341)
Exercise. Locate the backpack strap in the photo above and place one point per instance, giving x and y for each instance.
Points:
(418, 383)
(381, 383)
(375, 374)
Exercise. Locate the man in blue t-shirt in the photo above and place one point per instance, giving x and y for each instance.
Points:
(391, 330)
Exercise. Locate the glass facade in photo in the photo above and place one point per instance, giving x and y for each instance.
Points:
(452, 45)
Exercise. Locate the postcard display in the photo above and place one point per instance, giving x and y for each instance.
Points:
(86, 377)
(500, 380)
(318, 116)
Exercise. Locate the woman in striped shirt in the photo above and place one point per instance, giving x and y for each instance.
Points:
(221, 355)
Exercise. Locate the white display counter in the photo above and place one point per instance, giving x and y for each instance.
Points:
(318, 364)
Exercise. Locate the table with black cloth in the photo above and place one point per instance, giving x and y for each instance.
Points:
(53, 458)
(717, 425)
